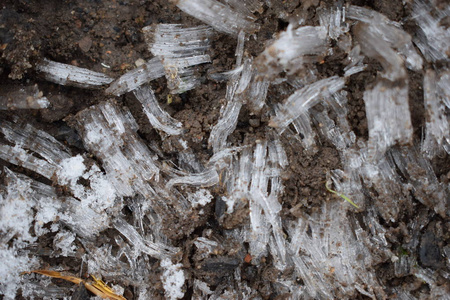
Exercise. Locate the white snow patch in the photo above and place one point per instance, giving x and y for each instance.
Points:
(64, 241)
(173, 279)
(16, 217)
(12, 263)
(200, 198)
(71, 169)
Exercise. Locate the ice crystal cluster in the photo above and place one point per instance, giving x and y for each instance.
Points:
(198, 226)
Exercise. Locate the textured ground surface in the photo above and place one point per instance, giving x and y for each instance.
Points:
(106, 36)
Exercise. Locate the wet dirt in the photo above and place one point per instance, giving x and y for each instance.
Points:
(106, 36)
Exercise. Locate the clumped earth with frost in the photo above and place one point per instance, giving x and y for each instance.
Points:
(188, 149)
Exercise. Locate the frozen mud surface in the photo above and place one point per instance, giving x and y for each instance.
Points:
(209, 179)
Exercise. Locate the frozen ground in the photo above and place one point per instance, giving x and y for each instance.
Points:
(204, 149)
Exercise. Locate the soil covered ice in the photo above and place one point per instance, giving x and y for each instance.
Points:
(224, 149)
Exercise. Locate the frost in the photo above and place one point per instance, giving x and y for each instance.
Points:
(173, 279)
(200, 198)
(305, 98)
(16, 211)
(159, 118)
(71, 169)
(179, 49)
(120, 198)
(230, 111)
(383, 28)
(70, 75)
(437, 130)
(388, 117)
(218, 15)
(141, 245)
(64, 242)
(110, 133)
(433, 38)
(133, 79)
(13, 262)
(288, 50)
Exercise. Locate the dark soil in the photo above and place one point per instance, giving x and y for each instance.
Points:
(106, 36)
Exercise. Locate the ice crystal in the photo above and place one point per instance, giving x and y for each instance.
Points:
(179, 49)
(173, 279)
(388, 117)
(111, 134)
(156, 115)
(218, 15)
(287, 52)
(433, 38)
(141, 245)
(120, 198)
(318, 253)
(133, 79)
(71, 75)
(305, 98)
(437, 134)
(230, 112)
(383, 28)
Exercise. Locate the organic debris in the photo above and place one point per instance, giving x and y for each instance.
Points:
(96, 286)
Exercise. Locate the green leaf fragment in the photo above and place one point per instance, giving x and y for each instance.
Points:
(341, 195)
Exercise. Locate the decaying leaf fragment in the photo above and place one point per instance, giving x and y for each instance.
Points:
(96, 286)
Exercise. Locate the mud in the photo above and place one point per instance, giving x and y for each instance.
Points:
(106, 36)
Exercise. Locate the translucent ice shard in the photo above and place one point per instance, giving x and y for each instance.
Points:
(63, 242)
(110, 133)
(156, 250)
(70, 75)
(249, 179)
(27, 138)
(329, 242)
(388, 117)
(334, 21)
(227, 122)
(257, 93)
(83, 220)
(23, 97)
(159, 118)
(247, 7)
(355, 62)
(230, 112)
(433, 38)
(302, 125)
(206, 178)
(179, 49)
(218, 15)
(437, 130)
(131, 80)
(424, 183)
(374, 45)
(444, 85)
(381, 177)
(390, 32)
(38, 151)
(305, 98)
(288, 50)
